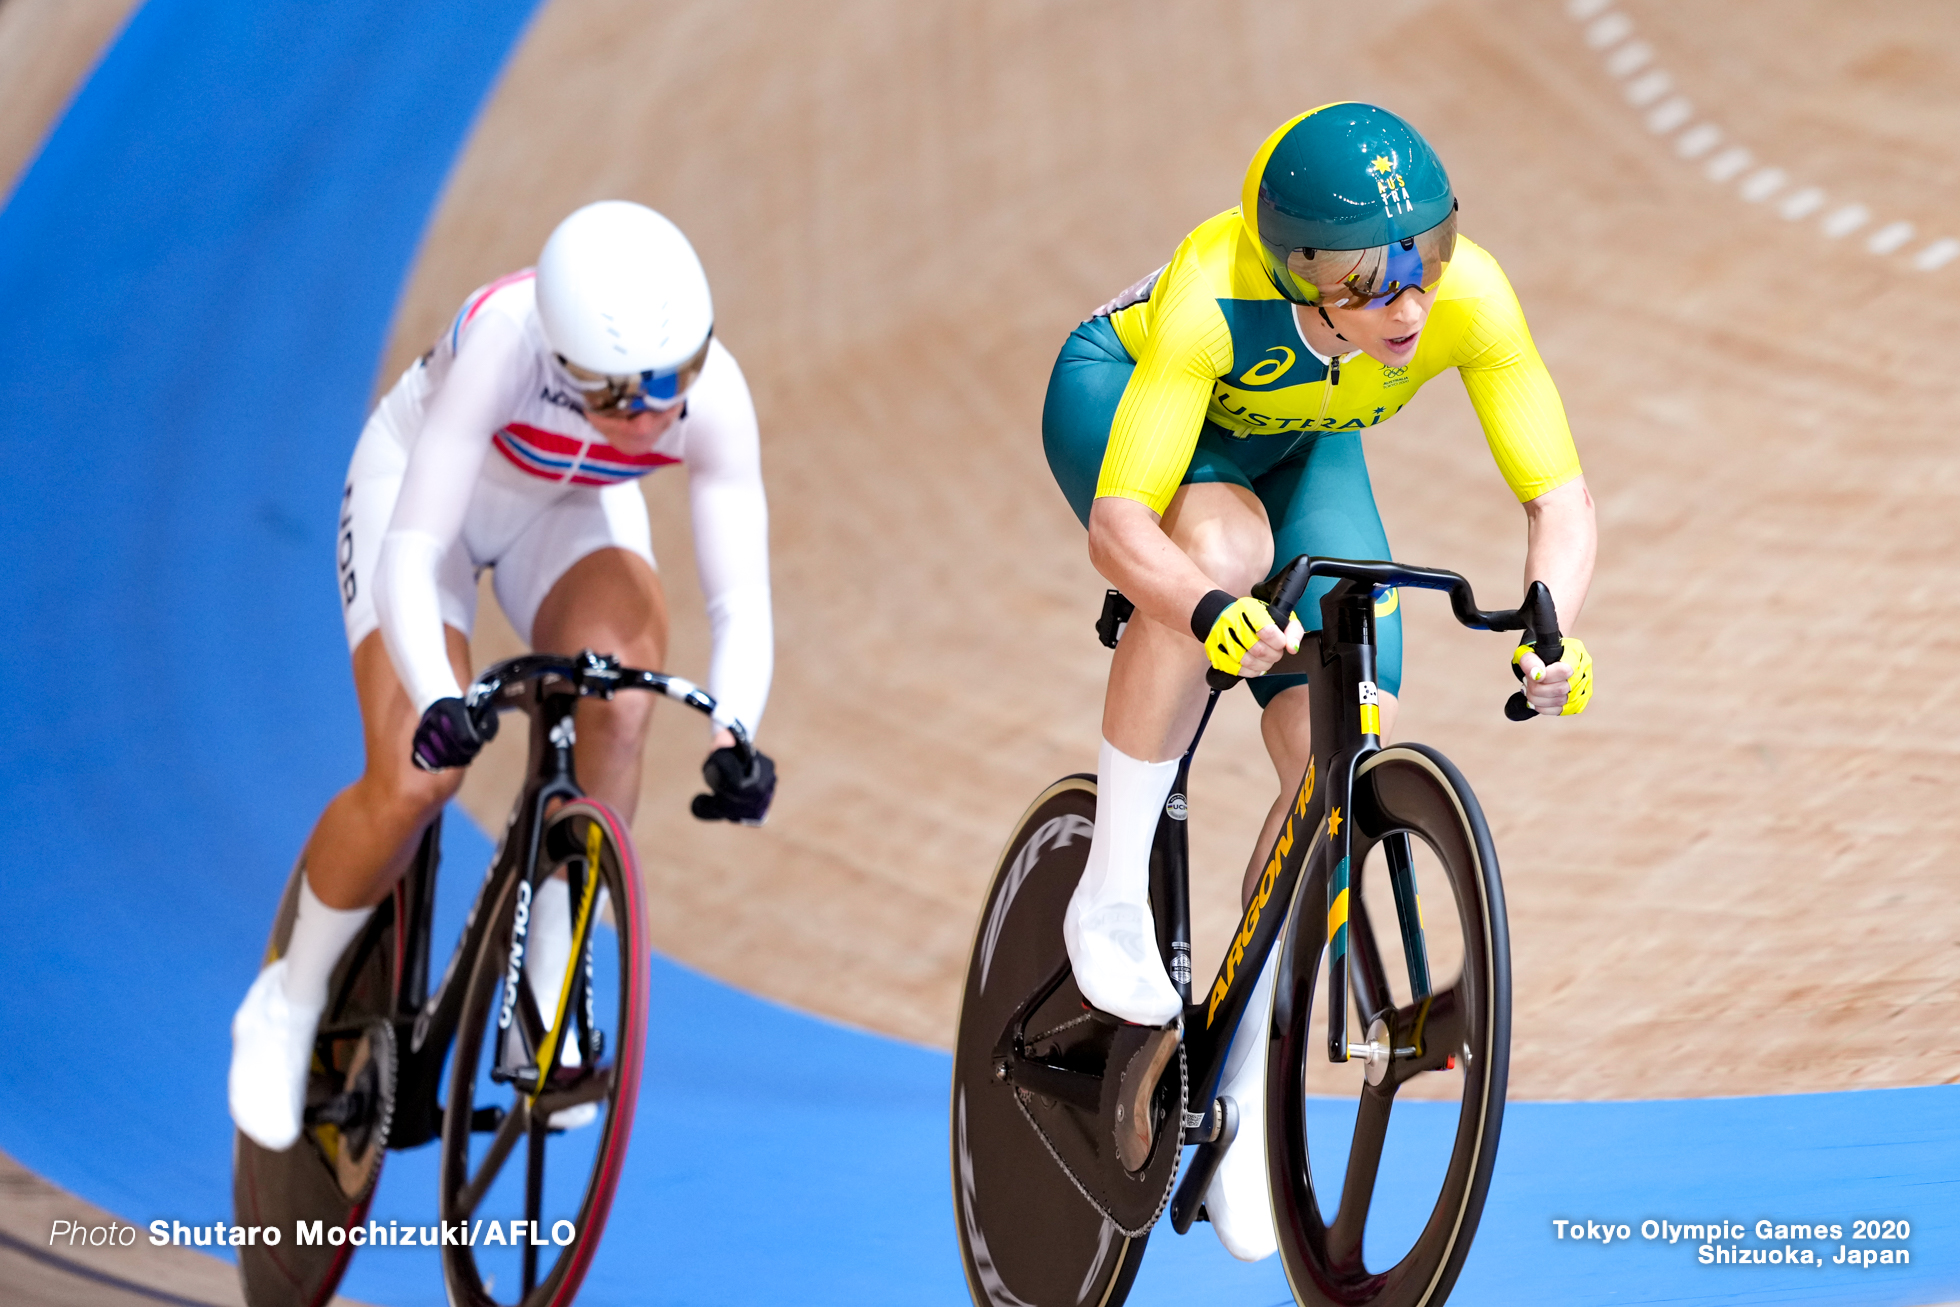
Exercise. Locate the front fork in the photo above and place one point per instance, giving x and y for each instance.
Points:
(1348, 640)
(525, 1060)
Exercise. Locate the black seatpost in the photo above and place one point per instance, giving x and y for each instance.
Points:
(1170, 868)
(421, 899)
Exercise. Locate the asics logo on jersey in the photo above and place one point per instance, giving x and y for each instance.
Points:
(1268, 369)
(561, 399)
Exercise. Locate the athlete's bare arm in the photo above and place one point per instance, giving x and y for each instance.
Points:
(1563, 542)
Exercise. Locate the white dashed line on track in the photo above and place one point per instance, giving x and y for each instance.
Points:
(1652, 91)
(1937, 255)
(1763, 183)
(1890, 238)
(1648, 87)
(1801, 204)
(1669, 114)
(1840, 223)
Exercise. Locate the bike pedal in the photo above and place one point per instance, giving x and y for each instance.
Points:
(486, 1120)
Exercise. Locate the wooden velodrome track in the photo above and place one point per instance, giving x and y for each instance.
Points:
(1731, 877)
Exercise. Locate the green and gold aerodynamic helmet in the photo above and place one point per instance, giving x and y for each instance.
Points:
(1350, 207)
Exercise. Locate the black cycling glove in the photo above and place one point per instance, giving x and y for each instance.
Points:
(449, 735)
(733, 794)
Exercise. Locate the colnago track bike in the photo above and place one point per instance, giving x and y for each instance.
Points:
(539, 1106)
(1068, 1125)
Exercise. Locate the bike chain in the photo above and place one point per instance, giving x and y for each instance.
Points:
(1070, 1024)
(1170, 1184)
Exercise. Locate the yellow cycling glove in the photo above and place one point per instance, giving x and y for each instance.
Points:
(1579, 685)
(1229, 627)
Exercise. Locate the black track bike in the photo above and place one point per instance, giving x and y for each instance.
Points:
(539, 1106)
(1068, 1125)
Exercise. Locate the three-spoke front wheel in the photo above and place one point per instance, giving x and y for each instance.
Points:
(1431, 1019)
(540, 1103)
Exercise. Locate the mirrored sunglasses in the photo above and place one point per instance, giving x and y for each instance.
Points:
(650, 391)
(1359, 279)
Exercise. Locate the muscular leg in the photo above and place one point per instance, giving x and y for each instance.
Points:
(364, 840)
(358, 850)
(611, 602)
(1287, 728)
(1157, 678)
(1156, 692)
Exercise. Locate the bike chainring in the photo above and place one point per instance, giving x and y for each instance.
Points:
(1130, 1201)
(351, 1107)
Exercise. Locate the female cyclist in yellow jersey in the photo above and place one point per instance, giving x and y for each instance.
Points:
(1206, 427)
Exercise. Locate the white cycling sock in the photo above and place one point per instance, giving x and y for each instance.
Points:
(1129, 796)
(320, 935)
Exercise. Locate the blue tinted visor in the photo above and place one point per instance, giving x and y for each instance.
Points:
(655, 390)
(1358, 279)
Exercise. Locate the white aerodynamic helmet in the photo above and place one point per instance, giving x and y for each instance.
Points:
(625, 306)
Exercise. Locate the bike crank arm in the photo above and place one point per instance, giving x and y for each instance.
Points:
(1014, 1066)
(1076, 1088)
(1204, 1164)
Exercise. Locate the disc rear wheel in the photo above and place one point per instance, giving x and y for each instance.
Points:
(327, 1177)
(1054, 1187)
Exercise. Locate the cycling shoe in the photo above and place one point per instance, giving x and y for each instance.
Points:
(271, 1055)
(1113, 949)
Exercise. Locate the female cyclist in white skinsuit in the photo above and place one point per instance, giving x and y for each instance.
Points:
(514, 444)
